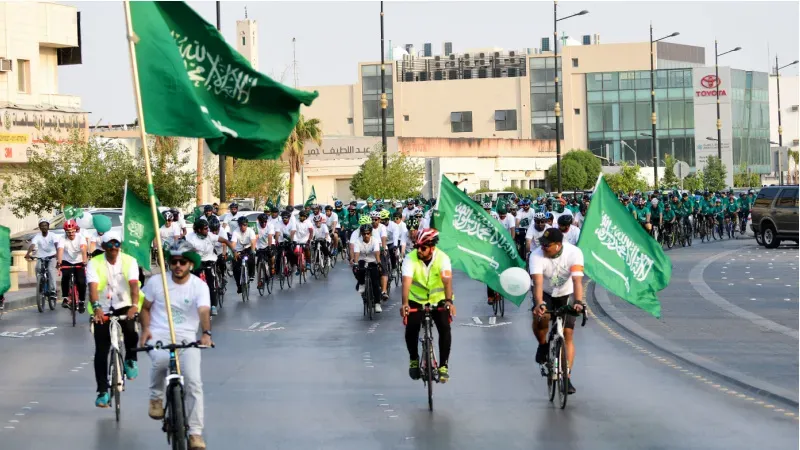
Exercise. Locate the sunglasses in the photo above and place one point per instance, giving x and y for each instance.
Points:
(423, 247)
(375, 220)
(182, 262)
(113, 244)
(539, 221)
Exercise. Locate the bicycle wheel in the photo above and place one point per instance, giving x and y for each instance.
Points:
(370, 302)
(398, 272)
(177, 419)
(288, 274)
(220, 287)
(563, 378)
(270, 279)
(551, 373)
(327, 263)
(51, 299)
(429, 374)
(73, 293)
(714, 231)
(688, 233)
(502, 306)
(262, 277)
(116, 381)
(41, 294)
(670, 238)
(495, 303)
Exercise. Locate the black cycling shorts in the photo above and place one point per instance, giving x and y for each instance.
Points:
(554, 303)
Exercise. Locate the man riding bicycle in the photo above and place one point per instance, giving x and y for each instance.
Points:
(556, 268)
(534, 233)
(244, 239)
(322, 235)
(45, 245)
(366, 249)
(204, 243)
(427, 279)
(113, 279)
(72, 250)
(264, 243)
(333, 225)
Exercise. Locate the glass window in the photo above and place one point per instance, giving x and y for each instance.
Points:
(661, 79)
(661, 94)
(687, 78)
(611, 96)
(546, 131)
(627, 116)
(594, 81)
(595, 119)
(627, 95)
(505, 120)
(538, 63)
(626, 80)
(643, 95)
(662, 115)
(644, 150)
(611, 117)
(676, 78)
(610, 81)
(611, 135)
(370, 71)
(643, 80)
(688, 92)
(643, 116)
(594, 97)
(787, 198)
(676, 114)
(593, 136)
(461, 122)
(676, 132)
(675, 93)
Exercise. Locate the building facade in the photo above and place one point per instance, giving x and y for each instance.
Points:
(35, 39)
(790, 120)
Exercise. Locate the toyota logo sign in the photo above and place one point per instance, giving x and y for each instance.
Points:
(710, 81)
(710, 84)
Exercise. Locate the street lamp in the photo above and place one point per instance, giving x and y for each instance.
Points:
(384, 102)
(711, 139)
(717, 54)
(653, 101)
(557, 108)
(780, 127)
(635, 156)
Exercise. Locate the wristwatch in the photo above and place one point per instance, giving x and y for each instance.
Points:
(207, 333)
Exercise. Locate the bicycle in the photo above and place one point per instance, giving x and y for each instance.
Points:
(669, 236)
(174, 422)
(116, 372)
(220, 284)
(284, 269)
(43, 286)
(743, 223)
(730, 225)
(368, 295)
(499, 304)
(301, 264)
(556, 368)
(264, 272)
(388, 262)
(72, 293)
(427, 363)
(244, 278)
(321, 262)
(398, 267)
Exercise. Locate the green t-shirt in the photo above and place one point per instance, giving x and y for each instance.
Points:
(669, 215)
(641, 213)
(732, 205)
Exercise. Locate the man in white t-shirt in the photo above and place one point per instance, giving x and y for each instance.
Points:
(244, 241)
(565, 225)
(556, 268)
(332, 221)
(380, 232)
(113, 279)
(72, 259)
(171, 231)
(366, 249)
(535, 231)
(205, 244)
(45, 246)
(229, 219)
(305, 228)
(191, 309)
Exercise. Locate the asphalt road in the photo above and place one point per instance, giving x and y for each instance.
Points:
(304, 370)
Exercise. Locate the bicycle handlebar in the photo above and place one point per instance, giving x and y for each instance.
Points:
(161, 346)
(428, 308)
(568, 309)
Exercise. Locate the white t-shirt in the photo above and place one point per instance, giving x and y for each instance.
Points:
(366, 250)
(392, 233)
(263, 235)
(322, 233)
(333, 219)
(117, 284)
(494, 215)
(285, 230)
(276, 222)
(508, 223)
(447, 269)
(572, 235)
(185, 300)
(558, 272)
(380, 233)
(243, 240)
(303, 234)
(227, 218)
(170, 234)
(72, 248)
(401, 235)
(205, 246)
(521, 215)
(93, 236)
(45, 246)
(533, 235)
(408, 212)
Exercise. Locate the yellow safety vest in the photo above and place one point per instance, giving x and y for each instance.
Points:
(102, 276)
(427, 288)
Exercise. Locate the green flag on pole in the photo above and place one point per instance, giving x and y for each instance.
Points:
(5, 259)
(137, 229)
(619, 255)
(311, 197)
(193, 84)
(477, 244)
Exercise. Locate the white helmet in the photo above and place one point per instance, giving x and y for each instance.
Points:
(654, 202)
(375, 215)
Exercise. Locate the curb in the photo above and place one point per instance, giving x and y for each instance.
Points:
(19, 303)
(742, 380)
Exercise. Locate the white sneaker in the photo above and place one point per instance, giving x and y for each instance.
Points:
(377, 308)
(361, 288)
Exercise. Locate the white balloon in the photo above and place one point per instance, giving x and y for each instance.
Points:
(85, 221)
(515, 281)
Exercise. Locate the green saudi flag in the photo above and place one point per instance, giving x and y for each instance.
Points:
(312, 197)
(193, 84)
(137, 229)
(477, 244)
(619, 255)
(5, 259)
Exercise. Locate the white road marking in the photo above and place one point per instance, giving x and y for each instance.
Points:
(492, 320)
(485, 326)
(254, 326)
(264, 327)
(477, 321)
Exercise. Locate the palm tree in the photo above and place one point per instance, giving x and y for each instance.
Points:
(305, 130)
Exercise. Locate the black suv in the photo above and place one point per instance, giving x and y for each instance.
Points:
(774, 215)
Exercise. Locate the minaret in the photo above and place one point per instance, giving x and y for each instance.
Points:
(247, 39)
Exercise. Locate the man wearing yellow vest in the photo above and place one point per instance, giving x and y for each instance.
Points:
(113, 279)
(427, 279)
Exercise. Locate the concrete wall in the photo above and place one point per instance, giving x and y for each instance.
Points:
(333, 107)
(790, 97)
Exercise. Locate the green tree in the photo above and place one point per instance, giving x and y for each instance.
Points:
(522, 193)
(257, 179)
(573, 175)
(402, 179)
(175, 183)
(694, 181)
(294, 152)
(714, 175)
(591, 165)
(741, 178)
(626, 180)
(670, 180)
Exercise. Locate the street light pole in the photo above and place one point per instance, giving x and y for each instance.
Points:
(780, 127)
(222, 193)
(717, 54)
(653, 103)
(384, 101)
(557, 108)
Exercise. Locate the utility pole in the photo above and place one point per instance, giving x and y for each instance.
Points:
(302, 166)
(222, 193)
(384, 101)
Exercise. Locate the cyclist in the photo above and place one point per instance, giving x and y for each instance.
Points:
(429, 212)
(524, 219)
(508, 221)
(45, 246)
(208, 212)
(191, 310)
(732, 209)
(401, 236)
(366, 249)
(113, 279)
(571, 232)
(669, 217)
(556, 268)
(204, 244)
(322, 234)
(305, 228)
(719, 215)
(744, 212)
(170, 232)
(284, 235)
(535, 232)
(379, 230)
(72, 250)
(427, 279)
(231, 216)
(368, 208)
(244, 239)
(393, 232)
(265, 230)
(332, 222)
(643, 214)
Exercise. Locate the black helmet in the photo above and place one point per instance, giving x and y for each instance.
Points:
(303, 213)
(208, 208)
(242, 220)
(565, 219)
(213, 224)
(285, 214)
(274, 209)
(337, 203)
(366, 228)
(234, 205)
(263, 217)
(398, 214)
(328, 208)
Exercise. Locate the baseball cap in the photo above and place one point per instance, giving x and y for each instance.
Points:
(111, 236)
(551, 235)
(43, 220)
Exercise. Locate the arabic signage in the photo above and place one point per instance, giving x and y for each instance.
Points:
(347, 148)
(20, 130)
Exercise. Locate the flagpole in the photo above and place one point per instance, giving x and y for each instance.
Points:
(132, 38)
(124, 202)
(597, 183)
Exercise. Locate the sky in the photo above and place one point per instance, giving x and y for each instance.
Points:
(332, 37)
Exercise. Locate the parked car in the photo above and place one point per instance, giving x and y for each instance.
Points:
(774, 215)
(22, 239)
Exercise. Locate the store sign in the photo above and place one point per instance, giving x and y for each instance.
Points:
(13, 138)
(709, 85)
